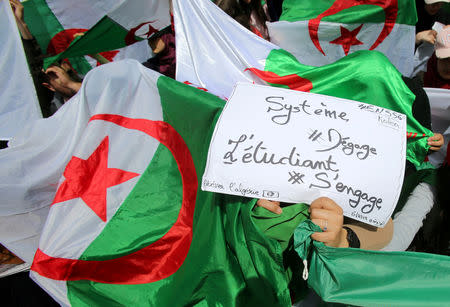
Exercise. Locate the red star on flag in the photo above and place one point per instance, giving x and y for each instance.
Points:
(89, 179)
(347, 38)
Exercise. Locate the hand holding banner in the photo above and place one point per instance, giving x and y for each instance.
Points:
(295, 147)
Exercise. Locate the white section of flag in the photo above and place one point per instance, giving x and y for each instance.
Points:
(18, 100)
(132, 13)
(213, 50)
(294, 37)
(81, 13)
(32, 167)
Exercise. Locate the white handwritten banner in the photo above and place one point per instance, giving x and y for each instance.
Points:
(294, 147)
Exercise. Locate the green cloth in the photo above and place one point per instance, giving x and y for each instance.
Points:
(230, 262)
(280, 227)
(373, 278)
(365, 76)
(297, 10)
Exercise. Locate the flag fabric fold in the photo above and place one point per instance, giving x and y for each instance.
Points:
(161, 233)
(382, 278)
(18, 100)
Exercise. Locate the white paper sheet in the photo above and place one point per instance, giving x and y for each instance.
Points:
(294, 147)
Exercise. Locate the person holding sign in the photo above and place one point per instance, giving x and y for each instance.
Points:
(328, 215)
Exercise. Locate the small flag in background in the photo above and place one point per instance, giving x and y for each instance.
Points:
(123, 25)
(321, 32)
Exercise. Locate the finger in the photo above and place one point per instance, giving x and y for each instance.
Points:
(55, 72)
(272, 206)
(436, 143)
(54, 69)
(323, 224)
(322, 214)
(327, 204)
(434, 148)
(436, 137)
(324, 237)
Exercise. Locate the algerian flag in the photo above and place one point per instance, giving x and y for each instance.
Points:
(123, 25)
(214, 52)
(321, 32)
(18, 100)
(56, 23)
(128, 223)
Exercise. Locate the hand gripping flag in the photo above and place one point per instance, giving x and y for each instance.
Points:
(123, 24)
(321, 32)
(372, 278)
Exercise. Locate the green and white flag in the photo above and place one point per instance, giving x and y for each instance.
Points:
(128, 223)
(123, 25)
(56, 23)
(320, 32)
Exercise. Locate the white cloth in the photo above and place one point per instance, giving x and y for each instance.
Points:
(409, 220)
(440, 120)
(18, 100)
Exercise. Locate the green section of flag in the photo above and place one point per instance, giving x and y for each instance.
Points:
(372, 278)
(365, 76)
(43, 24)
(161, 182)
(297, 10)
(105, 35)
(41, 21)
(230, 261)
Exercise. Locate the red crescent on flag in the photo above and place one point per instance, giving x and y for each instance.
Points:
(390, 8)
(156, 261)
(62, 40)
(130, 37)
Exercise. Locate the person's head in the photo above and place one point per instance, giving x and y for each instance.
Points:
(433, 6)
(442, 48)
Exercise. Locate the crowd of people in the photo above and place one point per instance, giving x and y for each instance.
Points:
(58, 83)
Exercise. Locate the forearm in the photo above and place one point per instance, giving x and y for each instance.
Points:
(23, 29)
(370, 237)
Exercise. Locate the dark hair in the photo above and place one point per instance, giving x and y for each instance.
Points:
(240, 11)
